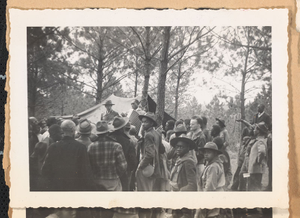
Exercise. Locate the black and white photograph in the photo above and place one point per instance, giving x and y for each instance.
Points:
(150, 108)
(153, 104)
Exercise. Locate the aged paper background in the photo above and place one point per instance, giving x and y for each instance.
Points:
(20, 19)
(294, 68)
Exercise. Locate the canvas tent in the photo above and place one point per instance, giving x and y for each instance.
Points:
(122, 105)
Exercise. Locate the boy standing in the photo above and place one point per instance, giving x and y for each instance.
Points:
(213, 177)
(183, 175)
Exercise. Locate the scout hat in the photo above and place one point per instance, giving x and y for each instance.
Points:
(262, 127)
(119, 122)
(180, 128)
(109, 102)
(150, 116)
(85, 127)
(185, 139)
(222, 122)
(101, 127)
(211, 146)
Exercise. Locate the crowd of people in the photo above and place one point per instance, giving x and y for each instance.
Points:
(114, 155)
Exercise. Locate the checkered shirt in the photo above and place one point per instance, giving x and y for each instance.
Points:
(107, 159)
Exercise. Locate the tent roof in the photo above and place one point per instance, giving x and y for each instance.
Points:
(122, 105)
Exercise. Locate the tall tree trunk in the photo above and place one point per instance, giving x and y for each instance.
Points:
(163, 76)
(147, 67)
(243, 85)
(100, 75)
(33, 92)
(32, 85)
(177, 90)
(136, 82)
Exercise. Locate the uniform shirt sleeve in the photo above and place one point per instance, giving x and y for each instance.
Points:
(211, 179)
(190, 176)
(261, 147)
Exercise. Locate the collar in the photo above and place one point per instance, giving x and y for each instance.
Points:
(260, 114)
(196, 133)
(185, 157)
(215, 159)
(67, 138)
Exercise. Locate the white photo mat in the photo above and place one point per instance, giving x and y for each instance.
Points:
(20, 196)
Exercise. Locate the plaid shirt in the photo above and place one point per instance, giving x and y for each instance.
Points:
(107, 159)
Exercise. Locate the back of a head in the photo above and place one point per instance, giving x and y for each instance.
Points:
(171, 124)
(215, 130)
(204, 120)
(180, 121)
(50, 121)
(68, 127)
(55, 132)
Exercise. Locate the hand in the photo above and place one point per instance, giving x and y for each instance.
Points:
(123, 114)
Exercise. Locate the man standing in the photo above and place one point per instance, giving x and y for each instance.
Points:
(85, 129)
(262, 116)
(128, 148)
(67, 166)
(110, 114)
(107, 160)
(150, 154)
(224, 133)
(197, 135)
(257, 157)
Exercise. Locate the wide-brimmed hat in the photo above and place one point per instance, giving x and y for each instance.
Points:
(185, 139)
(119, 122)
(221, 121)
(211, 146)
(108, 102)
(101, 127)
(180, 128)
(150, 116)
(85, 127)
(262, 126)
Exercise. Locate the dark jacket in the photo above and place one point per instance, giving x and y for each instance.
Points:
(67, 167)
(109, 116)
(186, 168)
(151, 149)
(200, 140)
(263, 118)
(128, 149)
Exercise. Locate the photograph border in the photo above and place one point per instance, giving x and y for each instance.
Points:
(275, 18)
